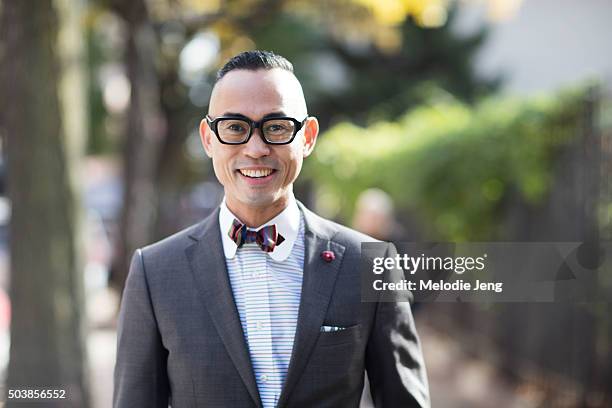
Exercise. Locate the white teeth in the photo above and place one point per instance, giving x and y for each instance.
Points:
(256, 173)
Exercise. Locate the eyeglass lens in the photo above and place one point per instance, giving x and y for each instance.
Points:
(274, 130)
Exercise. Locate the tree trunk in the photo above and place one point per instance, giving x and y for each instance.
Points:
(144, 137)
(41, 131)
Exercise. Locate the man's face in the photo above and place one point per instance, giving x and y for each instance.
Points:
(256, 175)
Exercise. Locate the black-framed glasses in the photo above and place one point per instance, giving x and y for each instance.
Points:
(235, 130)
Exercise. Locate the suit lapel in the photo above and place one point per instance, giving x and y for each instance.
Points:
(210, 274)
(317, 287)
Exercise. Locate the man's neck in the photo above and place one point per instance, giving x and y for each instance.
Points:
(254, 217)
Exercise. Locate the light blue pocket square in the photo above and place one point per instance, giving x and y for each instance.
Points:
(327, 329)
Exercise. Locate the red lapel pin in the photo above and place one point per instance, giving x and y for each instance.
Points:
(328, 256)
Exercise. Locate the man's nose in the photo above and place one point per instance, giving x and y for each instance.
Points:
(256, 147)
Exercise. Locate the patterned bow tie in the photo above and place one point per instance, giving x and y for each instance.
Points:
(266, 237)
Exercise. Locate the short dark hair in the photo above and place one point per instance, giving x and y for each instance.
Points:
(254, 60)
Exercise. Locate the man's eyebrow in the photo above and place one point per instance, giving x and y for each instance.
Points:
(233, 114)
(276, 114)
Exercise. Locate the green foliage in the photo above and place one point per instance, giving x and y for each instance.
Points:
(447, 164)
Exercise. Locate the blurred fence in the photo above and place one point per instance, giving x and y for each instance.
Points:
(563, 351)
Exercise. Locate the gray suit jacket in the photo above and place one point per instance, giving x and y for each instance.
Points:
(180, 341)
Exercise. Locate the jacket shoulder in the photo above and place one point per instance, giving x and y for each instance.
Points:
(348, 235)
(179, 240)
(336, 232)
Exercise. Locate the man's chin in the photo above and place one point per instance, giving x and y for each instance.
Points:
(263, 199)
(261, 202)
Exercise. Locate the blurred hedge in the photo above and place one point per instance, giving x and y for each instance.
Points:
(449, 165)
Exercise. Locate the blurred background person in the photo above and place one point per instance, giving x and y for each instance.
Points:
(374, 216)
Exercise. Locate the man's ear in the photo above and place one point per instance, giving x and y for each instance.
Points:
(206, 134)
(311, 131)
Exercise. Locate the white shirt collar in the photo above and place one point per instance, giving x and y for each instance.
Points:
(287, 224)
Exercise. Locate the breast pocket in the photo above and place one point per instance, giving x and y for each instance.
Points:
(337, 360)
(351, 334)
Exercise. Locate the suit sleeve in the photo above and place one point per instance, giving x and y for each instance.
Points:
(394, 360)
(140, 376)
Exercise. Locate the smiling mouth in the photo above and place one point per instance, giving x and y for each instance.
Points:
(256, 173)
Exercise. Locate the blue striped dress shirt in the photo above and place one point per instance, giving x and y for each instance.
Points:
(267, 289)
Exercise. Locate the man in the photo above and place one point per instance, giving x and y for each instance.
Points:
(259, 304)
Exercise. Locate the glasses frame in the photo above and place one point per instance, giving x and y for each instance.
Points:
(214, 123)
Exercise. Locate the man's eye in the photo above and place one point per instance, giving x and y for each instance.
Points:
(277, 128)
(234, 127)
